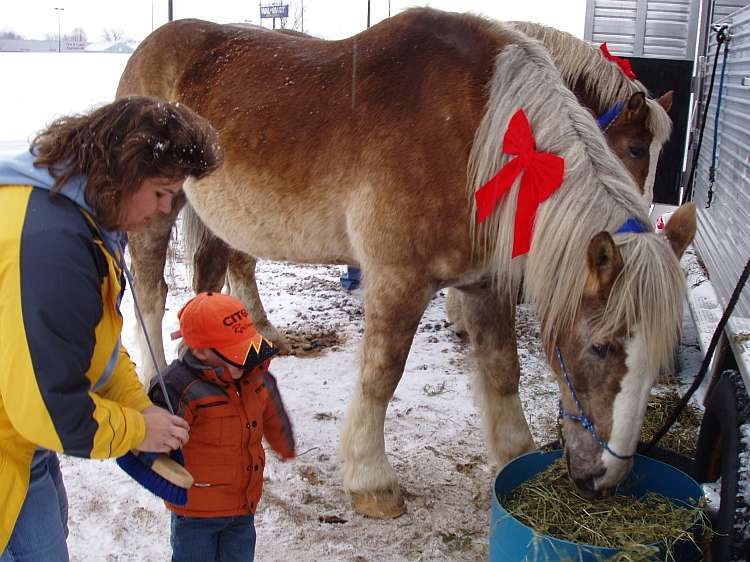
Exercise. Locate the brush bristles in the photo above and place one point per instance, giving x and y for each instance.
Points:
(142, 473)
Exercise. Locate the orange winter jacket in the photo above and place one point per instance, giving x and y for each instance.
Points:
(228, 420)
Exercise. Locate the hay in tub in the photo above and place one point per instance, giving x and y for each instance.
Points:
(550, 505)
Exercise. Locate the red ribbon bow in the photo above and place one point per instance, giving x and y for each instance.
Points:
(624, 64)
(542, 175)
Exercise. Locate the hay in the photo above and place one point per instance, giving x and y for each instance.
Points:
(550, 504)
(683, 435)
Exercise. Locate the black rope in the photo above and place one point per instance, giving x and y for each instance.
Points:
(721, 37)
(712, 169)
(706, 360)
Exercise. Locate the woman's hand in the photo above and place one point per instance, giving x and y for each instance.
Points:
(164, 432)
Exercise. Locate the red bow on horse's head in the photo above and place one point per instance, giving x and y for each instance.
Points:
(624, 64)
(542, 175)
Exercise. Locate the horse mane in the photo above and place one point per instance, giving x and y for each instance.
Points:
(582, 62)
(597, 194)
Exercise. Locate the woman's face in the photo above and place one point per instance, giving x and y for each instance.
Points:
(152, 197)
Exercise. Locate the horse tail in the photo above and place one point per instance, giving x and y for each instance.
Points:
(157, 66)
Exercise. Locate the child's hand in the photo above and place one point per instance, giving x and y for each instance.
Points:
(164, 432)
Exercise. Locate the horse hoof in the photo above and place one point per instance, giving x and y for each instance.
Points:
(461, 334)
(382, 505)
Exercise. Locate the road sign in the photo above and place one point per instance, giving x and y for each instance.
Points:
(275, 11)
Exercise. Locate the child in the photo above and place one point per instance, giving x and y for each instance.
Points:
(222, 387)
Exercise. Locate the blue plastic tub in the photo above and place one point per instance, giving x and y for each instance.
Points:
(512, 541)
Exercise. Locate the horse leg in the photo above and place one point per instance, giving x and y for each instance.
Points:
(210, 261)
(394, 302)
(490, 322)
(243, 285)
(148, 255)
(454, 312)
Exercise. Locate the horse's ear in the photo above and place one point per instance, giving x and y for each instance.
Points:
(636, 105)
(604, 262)
(680, 229)
(666, 100)
(635, 109)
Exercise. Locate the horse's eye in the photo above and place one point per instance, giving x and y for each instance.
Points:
(600, 350)
(636, 151)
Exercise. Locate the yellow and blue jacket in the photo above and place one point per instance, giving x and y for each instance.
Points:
(66, 382)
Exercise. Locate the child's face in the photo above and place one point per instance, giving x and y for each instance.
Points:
(210, 358)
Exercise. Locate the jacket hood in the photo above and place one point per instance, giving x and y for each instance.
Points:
(19, 169)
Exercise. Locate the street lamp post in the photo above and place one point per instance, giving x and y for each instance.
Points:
(59, 13)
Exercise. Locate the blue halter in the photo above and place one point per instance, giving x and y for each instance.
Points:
(632, 225)
(609, 116)
(582, 418)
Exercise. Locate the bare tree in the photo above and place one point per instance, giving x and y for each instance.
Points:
(8, 33)
(78, 35)
(113, 34)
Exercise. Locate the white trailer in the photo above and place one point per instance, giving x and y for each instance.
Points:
(704, 35)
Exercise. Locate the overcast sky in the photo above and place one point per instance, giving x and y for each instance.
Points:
(331, 19)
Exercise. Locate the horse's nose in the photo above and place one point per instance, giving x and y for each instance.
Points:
(586, 485)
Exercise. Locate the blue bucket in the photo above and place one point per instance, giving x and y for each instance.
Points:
(512, 541)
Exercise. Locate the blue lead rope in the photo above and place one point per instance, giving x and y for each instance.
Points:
(582, 418)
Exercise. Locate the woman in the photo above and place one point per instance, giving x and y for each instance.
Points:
(66, 383)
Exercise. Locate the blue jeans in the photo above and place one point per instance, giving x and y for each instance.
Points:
(351, 280)
(42, 525)
(213, 539)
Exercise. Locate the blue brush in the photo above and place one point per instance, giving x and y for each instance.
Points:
(163, 475)
(158, 472)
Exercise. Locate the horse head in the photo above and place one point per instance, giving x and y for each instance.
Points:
(634, 136)
(636, 127)
(604, 364)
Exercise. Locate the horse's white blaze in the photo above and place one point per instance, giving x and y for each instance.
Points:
(648, 188)
(627, 411)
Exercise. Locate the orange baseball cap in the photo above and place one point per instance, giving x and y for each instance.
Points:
(221, 323)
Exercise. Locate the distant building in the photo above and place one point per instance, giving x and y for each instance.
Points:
(66, 46)
(123, 46)
(29, 45)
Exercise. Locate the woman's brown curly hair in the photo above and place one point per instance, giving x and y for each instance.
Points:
(123, 143)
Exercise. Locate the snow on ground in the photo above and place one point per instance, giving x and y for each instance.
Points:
(433, 439)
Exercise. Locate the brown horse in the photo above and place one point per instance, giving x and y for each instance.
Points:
(636, 135)
(369, 150)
